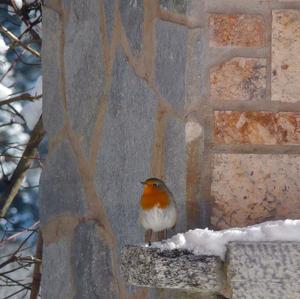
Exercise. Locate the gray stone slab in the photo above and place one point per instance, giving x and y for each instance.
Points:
(92, 272)
(132, 16)
(109, 6)
(84, 73)
(195, 64)
(57, 271)
(151, 267)
(170, 62)
(267, 270)
(178, 6)
(175, 167)
(124, 158)
(53, 117)
(60, 185)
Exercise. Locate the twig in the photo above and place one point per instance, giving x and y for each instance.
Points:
(15, 269)
(24, 96)
(32, 228)
(15, 281)
(35, 286)
(13, 257)
(14, 39)
(15, 293)
(18, 157)
(12, 66)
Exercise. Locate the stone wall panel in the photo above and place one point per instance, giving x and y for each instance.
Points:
(285, 55)
(170, 62)
(124, 158)
(132, 17)
(52, 85)
(236, 30)
(58, 270)
(239, 79)
(252, 188)
(60, 174)
(93, 275)
(234, 127)
(84, 72)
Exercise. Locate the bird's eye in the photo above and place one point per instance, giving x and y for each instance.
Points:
(155, 185)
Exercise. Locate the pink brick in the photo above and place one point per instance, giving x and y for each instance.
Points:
(237, 30)
(257, 127)
(249, 189)
(239, 79)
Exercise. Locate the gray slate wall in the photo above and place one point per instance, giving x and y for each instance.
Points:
(114, 90)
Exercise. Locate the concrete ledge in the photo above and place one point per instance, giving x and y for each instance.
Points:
(266, 270)
(152, 267)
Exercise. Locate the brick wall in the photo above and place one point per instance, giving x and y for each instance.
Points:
(248, 108)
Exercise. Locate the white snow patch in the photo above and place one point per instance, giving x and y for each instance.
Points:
(209, 242)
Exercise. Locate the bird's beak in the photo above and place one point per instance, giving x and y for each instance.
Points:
(143, 183)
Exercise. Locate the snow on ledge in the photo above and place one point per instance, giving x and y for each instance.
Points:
(208, 242)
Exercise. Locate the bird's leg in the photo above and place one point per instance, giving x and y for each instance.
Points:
(161, 235)
(148, 236)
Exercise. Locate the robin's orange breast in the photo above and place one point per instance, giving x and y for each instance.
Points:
(154, 197)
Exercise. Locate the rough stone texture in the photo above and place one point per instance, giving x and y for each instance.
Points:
(171, 61)
(257, 127)
(151, 267)
(239, 79)
(60, 174)
(175, 161)
(109, 6)
(178, 6)
(264, 270)
(132, 15)
(239, 30)
(84, 71)
(257, 270)
(124, 158)
(285, 55)
(92, 272)
(52, 87)
(249, 188)
(58, 271)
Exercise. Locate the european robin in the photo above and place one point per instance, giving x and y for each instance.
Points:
(158, 210)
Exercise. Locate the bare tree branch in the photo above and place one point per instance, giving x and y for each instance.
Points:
(14, 39)
(23, 96)
(22, 167)
(32, 228)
